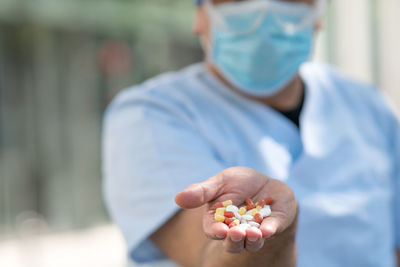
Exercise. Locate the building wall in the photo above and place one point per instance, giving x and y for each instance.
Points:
(362, 38)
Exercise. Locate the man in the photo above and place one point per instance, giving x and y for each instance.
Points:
(326, 148)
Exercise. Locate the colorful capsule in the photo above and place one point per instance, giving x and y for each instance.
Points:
(268, 201)
(249, 215)
(249, 204)
(227, 203)
(218, 205)
(219, 218)
(258, 218)
(220, 211)
(261, 203)
(253, 212)
(229, 214)
(242, 210)
(228, 221)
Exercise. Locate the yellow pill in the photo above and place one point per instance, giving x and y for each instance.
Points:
(220, 211)
(242, 210)
(258, 208)
(236, 221)
(254, 211)
(219, 218)
(227, 203)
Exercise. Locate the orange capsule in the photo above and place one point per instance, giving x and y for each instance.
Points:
(229, 214)
(261, 203)
(249, 204)
(268, 201)
(258, 218)
(228, 221)
(250, 207)
(218, 205)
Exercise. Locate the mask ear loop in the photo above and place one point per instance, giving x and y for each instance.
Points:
(317, 12)
(217, 18)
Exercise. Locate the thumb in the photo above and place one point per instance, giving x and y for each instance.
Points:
(197, 195)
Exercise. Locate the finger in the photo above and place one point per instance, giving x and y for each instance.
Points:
(271, 226)
(234, 242)
(216, 231)
(254, 241)
(197, 195)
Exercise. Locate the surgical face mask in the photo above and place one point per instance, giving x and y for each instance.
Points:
(259, 45)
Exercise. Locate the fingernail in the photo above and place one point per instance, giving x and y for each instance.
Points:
(236, 239)
(252, 238)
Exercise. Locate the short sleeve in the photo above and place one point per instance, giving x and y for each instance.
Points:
(151, 151)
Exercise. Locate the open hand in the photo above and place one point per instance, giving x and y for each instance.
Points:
(238, 184)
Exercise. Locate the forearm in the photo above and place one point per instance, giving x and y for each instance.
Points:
(398, 257)
(279, 251)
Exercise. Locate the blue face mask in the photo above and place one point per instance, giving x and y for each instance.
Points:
(259, 45)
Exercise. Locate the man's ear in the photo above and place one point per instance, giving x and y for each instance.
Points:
(200, 22)
(318, 25)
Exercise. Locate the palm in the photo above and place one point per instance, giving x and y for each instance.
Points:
(238, 184)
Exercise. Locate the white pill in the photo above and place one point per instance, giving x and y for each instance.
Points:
(266, 211)
(247, 217)
(232, 208)
(255, 224)
(248, 212)
(235, 211)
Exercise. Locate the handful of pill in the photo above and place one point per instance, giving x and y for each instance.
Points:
(249, 215)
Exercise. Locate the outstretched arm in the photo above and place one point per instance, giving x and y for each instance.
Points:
(192, 238)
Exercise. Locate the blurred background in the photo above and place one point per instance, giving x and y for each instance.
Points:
(62, 61)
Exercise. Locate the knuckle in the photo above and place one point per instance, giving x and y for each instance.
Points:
(233, 247)
(254, 246)
(235, 250)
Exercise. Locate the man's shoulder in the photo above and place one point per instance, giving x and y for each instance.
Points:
(163, 85)
(354, 95)
(168, 92)
(329, 78)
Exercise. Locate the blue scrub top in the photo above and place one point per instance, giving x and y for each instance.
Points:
(184, 127)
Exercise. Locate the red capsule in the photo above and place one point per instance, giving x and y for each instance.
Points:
(268, 200)
(228, 221)
(229, 214)
(261, 203)
(258, 218)
(218, 205)
(249, 204)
